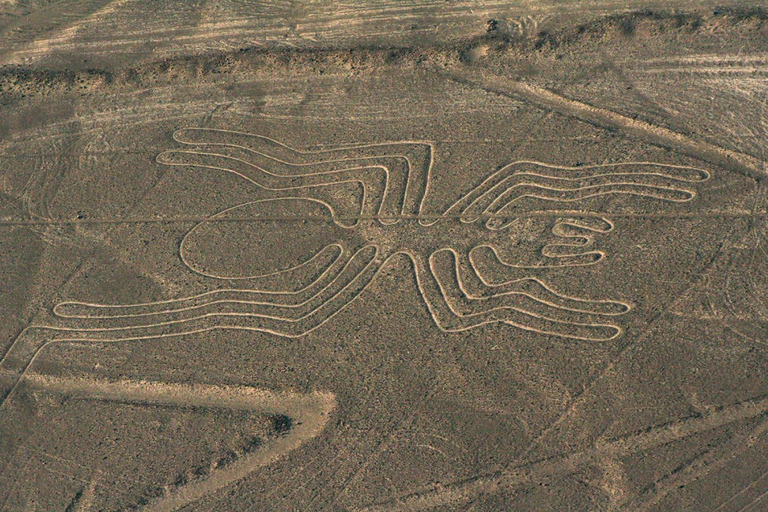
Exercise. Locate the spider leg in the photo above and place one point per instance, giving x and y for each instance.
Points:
(568, 185)
(373, 179)
(570, 242)
(394, 175)
(139, 314)
(460, 301)
(249, 310)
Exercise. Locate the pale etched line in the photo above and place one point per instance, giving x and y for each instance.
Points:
(702, 465)
(308, 262)
(572, 195)
(754, 502)
(85, 503)
(84, 334)
(429, 219)
(460, 492)
(243, 292)
(701, 175)
(221, 291)
(260, 185)
(703, 64)
(310, 412)
(728, 159)
(580, 398)
(432, 290)
(4, 391)
(588, 259)
(294, 218)
(742, 491)
(66, 32)
(464, 490)
(243, 147)
(81, 330)
(581, 240)
(38, 453)
(713, 59)
(482, 141)
(707, 70)
(624, 307)
(329, 207)
(169, 323)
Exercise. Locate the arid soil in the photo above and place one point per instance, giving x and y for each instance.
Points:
(402, 256)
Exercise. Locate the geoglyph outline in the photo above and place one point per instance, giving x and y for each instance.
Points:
(468, 213)
(575, 240)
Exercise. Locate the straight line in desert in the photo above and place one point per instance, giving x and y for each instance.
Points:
(732, 160)
(459, 492)
(310, 412)
(737, 214)
(59, 35)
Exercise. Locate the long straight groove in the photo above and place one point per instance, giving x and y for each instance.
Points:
(298, 218)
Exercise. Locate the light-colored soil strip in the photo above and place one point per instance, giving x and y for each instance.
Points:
(309, 411)
(728, 159)
(545, 470)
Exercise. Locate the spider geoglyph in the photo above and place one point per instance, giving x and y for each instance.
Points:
(289, 261)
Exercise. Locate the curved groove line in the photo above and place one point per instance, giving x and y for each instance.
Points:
(487, 312)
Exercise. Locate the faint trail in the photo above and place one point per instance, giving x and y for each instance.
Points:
(731, 160)
(742, 491)
(462, 490)
(543, 470)
(754, 502)
(310, 412)
(701, 466)
(91, 11)
(425, 217)
(579, 399)
(753, 64)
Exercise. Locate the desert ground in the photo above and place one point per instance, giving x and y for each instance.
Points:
(411, 255)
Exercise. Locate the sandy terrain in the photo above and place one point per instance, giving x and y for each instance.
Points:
(385, 256)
